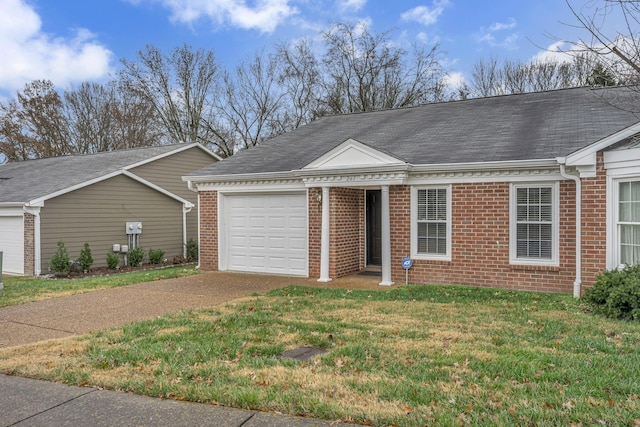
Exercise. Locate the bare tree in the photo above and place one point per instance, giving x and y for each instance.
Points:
(617, 48)
(106, 117)
(365, 72)
(300, 78)
(182, 88)
(252, 101)
(34, 125)
(490, 78)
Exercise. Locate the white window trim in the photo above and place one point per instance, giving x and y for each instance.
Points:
(622, 166)
(414, 224)
(614, 211)
(555, 227)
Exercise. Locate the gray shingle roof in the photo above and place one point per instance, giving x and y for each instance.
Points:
(531, 126)
(27, 180)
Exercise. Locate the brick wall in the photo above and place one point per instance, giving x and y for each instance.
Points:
(208, 230)
(315, 231)
(346, 253)
(29, 245)
(594, 224)
(480, 242)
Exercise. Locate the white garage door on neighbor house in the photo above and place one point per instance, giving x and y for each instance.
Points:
(12, 244)
(265, 233)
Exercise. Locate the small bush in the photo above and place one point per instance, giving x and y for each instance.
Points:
(113, 260)
(85, 260)
(156, 256)
(136, 255)
(60, 261)
(616, 293)
(192, 250)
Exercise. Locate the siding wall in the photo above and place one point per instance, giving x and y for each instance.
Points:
(97, 214)
(168, 172)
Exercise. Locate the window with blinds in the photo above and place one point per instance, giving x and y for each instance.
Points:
(629, 222)
(534, 223)
(432, 221)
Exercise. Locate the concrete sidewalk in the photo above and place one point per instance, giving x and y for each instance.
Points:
(25, 402)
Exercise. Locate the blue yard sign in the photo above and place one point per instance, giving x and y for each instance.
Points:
(406, 264)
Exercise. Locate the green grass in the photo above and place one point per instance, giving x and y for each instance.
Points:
(408, 356)
(19, 290)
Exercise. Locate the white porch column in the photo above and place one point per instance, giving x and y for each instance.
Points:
(325, 236)
(386, 237)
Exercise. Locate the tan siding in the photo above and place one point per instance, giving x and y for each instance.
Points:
(97, 214)
(168, 172)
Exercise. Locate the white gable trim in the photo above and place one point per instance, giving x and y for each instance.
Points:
(585, 159)
(172, 152)
(352, 154)
(40, 200)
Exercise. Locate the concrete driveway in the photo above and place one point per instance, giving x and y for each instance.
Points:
(99, 310)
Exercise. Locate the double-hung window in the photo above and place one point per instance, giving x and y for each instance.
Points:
(629, 222)
(534, 224)
(431, 225)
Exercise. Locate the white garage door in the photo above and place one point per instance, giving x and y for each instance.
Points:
(12, 244)
(265, 233)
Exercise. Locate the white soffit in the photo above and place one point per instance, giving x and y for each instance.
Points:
(350, 154)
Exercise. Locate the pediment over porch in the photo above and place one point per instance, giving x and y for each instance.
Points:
(352, 154)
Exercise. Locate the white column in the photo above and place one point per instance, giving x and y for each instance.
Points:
(386, 237)
(324, 245)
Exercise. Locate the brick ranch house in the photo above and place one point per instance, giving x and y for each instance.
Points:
(535, 192)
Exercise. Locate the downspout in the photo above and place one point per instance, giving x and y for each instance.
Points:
(192, 187)
(578, 282)
(185, 210)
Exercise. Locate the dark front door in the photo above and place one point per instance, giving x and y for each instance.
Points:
(374, 239)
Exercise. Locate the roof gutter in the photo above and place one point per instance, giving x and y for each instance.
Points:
(578, 280)
(474, 166)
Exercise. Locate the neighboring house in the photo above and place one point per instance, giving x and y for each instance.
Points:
(535, 191)
(90, 198)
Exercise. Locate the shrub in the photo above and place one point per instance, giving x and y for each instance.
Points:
(60, 261)
(192, 250)
(156, 256)
(136, 255)
(113, 260)
(616, 293)
(85, 260)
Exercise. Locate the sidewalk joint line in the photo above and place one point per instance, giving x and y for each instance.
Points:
(54, 407)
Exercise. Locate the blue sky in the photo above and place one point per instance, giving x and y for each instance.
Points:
(69, 41)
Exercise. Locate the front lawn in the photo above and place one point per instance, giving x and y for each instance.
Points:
(19, 290)
(408, 356)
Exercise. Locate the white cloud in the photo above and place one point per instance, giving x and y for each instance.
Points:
(426, 15)
(29, 54)
(264, 16)
(494, 35)
(350, 5)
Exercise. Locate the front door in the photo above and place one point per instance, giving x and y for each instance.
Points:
(374, 238)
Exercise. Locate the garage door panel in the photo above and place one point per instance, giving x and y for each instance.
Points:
(12, 244)
(266, 233)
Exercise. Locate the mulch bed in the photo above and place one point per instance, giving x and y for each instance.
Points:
(106, 271)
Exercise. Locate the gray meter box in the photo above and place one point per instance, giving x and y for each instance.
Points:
(134, 228)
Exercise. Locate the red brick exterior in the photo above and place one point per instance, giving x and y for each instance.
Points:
(594, 223)
(29, 245)
(315, 231)
(479, 238)
(480, 242)
(346, 253)
(208, 206)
